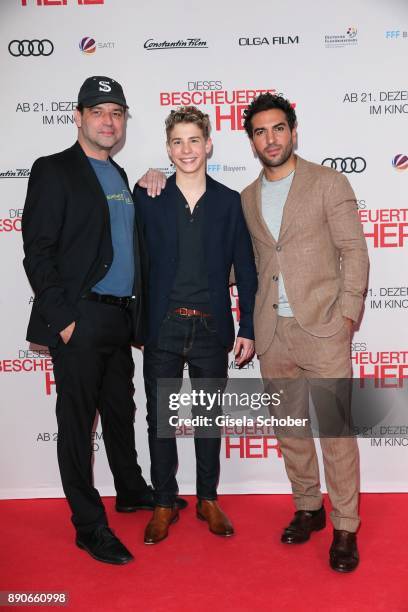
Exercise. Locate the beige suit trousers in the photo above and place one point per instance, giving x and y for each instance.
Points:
(294, 353)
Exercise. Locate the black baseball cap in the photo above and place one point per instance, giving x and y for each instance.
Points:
(100, 89)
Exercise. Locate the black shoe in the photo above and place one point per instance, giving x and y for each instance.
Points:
(302, 525)
(143, 501)
(103, 545)
(343, 551)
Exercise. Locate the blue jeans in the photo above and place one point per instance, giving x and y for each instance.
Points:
(191, 340)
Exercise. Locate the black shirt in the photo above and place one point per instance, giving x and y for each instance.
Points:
(190, 287)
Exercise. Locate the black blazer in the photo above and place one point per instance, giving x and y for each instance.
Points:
(67, 243)
(226, 242)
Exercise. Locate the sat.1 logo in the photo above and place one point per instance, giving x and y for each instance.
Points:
(400, 162)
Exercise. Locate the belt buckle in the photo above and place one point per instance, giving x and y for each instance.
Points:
(129, 300)
(183, 311)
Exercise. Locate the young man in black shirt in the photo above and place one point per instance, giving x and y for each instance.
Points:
(194, 232)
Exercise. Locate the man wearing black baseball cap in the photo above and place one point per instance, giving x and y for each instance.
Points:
(85, 260)
(99, 90)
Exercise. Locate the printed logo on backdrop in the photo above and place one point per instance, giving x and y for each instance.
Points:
(396, 34)
(28, 361)
(241, 438)
(52, 436)
(167, 170)
(54, 112)
(257, 443)
(385, 228)
(400, 162)
(232, 365)
(15, 173)
(256, 41)
(382, 99)
(88, 45)
(215, 167)
(245, 437)
(165, 45)
(384, 370)
(59, 2)
(12, 222)
(229, 104)
(236, 313)
(387, 298)
(31, 48)
(346, 165)
(346, 39)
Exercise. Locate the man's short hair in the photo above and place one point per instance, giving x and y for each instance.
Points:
(268, 101)
(188, 114)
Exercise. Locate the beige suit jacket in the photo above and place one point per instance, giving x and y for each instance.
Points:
(321, 253)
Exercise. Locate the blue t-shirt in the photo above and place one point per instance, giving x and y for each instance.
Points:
(119, 279)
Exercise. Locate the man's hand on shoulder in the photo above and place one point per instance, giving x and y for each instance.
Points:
(154, 181)
(67, 332)
(244, 350)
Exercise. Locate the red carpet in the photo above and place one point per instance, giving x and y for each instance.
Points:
(195, 570)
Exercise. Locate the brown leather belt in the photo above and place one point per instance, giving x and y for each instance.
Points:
(191, 312)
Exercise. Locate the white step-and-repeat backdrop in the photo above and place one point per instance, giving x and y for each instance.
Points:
(341, 63)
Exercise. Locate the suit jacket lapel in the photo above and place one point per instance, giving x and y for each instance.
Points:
(168, 209)
(259, 228)
(90, 178)
(295, 195)
(208, 214)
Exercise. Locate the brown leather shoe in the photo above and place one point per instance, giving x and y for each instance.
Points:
(158, 527)
(302, 525)
(343, 551)
(217, 521)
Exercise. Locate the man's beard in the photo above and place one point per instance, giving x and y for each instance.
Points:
(282, 159)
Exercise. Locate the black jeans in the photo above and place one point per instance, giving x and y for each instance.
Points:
(191, 340)
(94, 372)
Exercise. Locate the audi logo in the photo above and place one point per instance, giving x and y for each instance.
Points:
(25, 48)
(346, 164)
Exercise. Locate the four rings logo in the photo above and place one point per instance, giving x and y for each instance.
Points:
(35, 48)
(346, 164)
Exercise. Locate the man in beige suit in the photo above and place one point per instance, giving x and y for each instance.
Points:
(312, 270)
